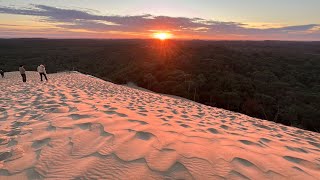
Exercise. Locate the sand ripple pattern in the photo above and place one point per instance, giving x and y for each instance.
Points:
(79, 127)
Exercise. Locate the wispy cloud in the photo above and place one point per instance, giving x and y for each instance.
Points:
(73, 19)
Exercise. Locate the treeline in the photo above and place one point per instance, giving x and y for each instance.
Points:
(277, 81)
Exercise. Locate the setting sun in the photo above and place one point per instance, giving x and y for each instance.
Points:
(162, 35)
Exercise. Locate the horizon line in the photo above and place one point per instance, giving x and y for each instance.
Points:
(171, 39)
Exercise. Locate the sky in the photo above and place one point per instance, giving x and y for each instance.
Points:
(184, 19)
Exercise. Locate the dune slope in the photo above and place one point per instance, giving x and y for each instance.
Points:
(78, 126)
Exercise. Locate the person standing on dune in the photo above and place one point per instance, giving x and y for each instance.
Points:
(23, 73)
(42, 71)
(2, 73)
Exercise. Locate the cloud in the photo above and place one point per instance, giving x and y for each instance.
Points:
(71, 19)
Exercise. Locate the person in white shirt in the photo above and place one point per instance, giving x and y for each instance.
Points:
(23, 73)
(42, 71)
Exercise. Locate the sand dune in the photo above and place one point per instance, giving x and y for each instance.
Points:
(78, 126)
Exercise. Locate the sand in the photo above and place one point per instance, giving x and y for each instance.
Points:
(80, 127)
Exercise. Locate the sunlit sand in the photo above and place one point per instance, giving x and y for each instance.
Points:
(78, 126)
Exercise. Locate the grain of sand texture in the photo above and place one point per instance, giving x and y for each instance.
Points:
(79, 127)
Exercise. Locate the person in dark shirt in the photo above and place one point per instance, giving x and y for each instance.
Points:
(2, 73)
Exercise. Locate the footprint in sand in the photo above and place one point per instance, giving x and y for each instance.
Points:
(4, 140)
(164, 119)
(138, 121)
(59, 110)
(84, 126)
(122, 115)
(249, 143)
(243, 129)
(262, 126)
(166, 124)
(298, 169)
(265, 140)
(14, 132)
(185, 126)
(144, 135)
(51, 102)
(174, 111)
(213, 131)
(314, 144)
(185, 116)
(296, 149)
(39, 143)
(224, 127)
(5, 155)
(51, 128)
(142, 114)
(237, 175)
(3, 114)
(113, 108)
(78, 116)
(196, 116)
(12, 143)
(115, 113)
(17, 124)
(243, 162)
(297, 160)
(278, 135)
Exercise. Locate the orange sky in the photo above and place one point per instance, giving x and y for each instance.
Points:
(60, 19)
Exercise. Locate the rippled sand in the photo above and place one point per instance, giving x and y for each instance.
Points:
(78, 126)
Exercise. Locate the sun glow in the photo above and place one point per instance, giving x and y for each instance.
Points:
(162, 36)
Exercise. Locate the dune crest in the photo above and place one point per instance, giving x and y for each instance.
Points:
(78, 126)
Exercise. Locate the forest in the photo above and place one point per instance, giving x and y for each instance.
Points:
(273, 80)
